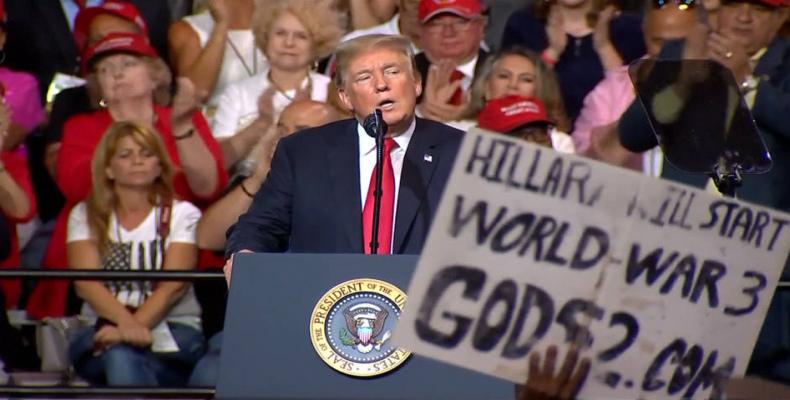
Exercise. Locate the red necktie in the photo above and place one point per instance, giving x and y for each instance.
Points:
(387, 204)
(459, 93)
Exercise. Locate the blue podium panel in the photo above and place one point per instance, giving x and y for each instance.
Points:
(267, 351)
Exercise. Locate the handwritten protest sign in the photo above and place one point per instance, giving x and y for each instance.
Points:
(664, 287)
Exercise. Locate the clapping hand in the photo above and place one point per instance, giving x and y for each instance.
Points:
(185, 102)
(555, 32)
(219, 11)
(438, 92)
(601, 37)
(724, 48)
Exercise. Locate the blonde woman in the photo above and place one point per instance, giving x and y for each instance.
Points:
(520, 72)
(293, 34)
(147, 333)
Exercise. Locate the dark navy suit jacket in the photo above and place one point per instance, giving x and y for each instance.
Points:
(310, 201)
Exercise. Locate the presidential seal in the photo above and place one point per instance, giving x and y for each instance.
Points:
(351, 326)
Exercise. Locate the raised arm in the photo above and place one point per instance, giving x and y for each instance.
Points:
(195, 145)
(201, 65)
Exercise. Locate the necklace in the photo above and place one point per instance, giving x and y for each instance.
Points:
(279, 90)
(250, 72)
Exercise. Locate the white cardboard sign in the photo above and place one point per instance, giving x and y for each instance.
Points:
(664, 286)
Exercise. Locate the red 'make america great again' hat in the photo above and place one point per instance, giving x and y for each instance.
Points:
(468, 9)
(508, 113)
(121, 9)
(131, 43)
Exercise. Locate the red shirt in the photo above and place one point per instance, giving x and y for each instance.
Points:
(81, 136)
(16, 166)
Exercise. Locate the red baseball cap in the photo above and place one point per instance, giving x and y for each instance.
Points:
(132, 43)
(463, 8)
(508, 113)
(774, 3)
(117, 8)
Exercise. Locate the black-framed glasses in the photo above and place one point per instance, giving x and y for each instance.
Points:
(435, 27)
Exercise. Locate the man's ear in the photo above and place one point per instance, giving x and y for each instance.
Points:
(418, 87)
(343, 96)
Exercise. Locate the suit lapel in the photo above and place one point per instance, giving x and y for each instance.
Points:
(418, 167)
(771, 60)
(343, 167)
(482, 55)
(52, 15)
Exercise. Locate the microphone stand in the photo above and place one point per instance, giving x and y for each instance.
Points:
(376, 127)
(727, 177)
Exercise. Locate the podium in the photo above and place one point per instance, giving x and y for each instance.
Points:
(268, 352)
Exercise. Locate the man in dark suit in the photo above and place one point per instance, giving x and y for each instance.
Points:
(746, 42)
(318, 194)
(451, 34)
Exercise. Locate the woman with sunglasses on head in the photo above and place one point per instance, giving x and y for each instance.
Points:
(146, 333)
(580, 38)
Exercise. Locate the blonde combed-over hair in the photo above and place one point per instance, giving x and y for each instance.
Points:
(349, 50)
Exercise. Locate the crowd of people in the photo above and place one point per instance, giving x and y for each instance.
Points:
(134, 136)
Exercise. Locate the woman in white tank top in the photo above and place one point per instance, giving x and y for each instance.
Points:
(216, 47)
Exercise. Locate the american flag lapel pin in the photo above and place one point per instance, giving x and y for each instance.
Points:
(427, 158)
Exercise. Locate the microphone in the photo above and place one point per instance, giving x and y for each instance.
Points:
(376, 128)
(375, 125)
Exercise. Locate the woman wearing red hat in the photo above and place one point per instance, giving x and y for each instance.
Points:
(125, 68)
(520, 72)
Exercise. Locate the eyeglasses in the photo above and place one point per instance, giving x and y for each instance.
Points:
(681, 4)
(105, 67)
(458, 25)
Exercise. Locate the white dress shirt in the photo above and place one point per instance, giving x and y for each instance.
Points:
(367, 164)
(468, 69)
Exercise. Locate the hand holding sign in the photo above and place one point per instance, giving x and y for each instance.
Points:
(543, 384)
(663, 287)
